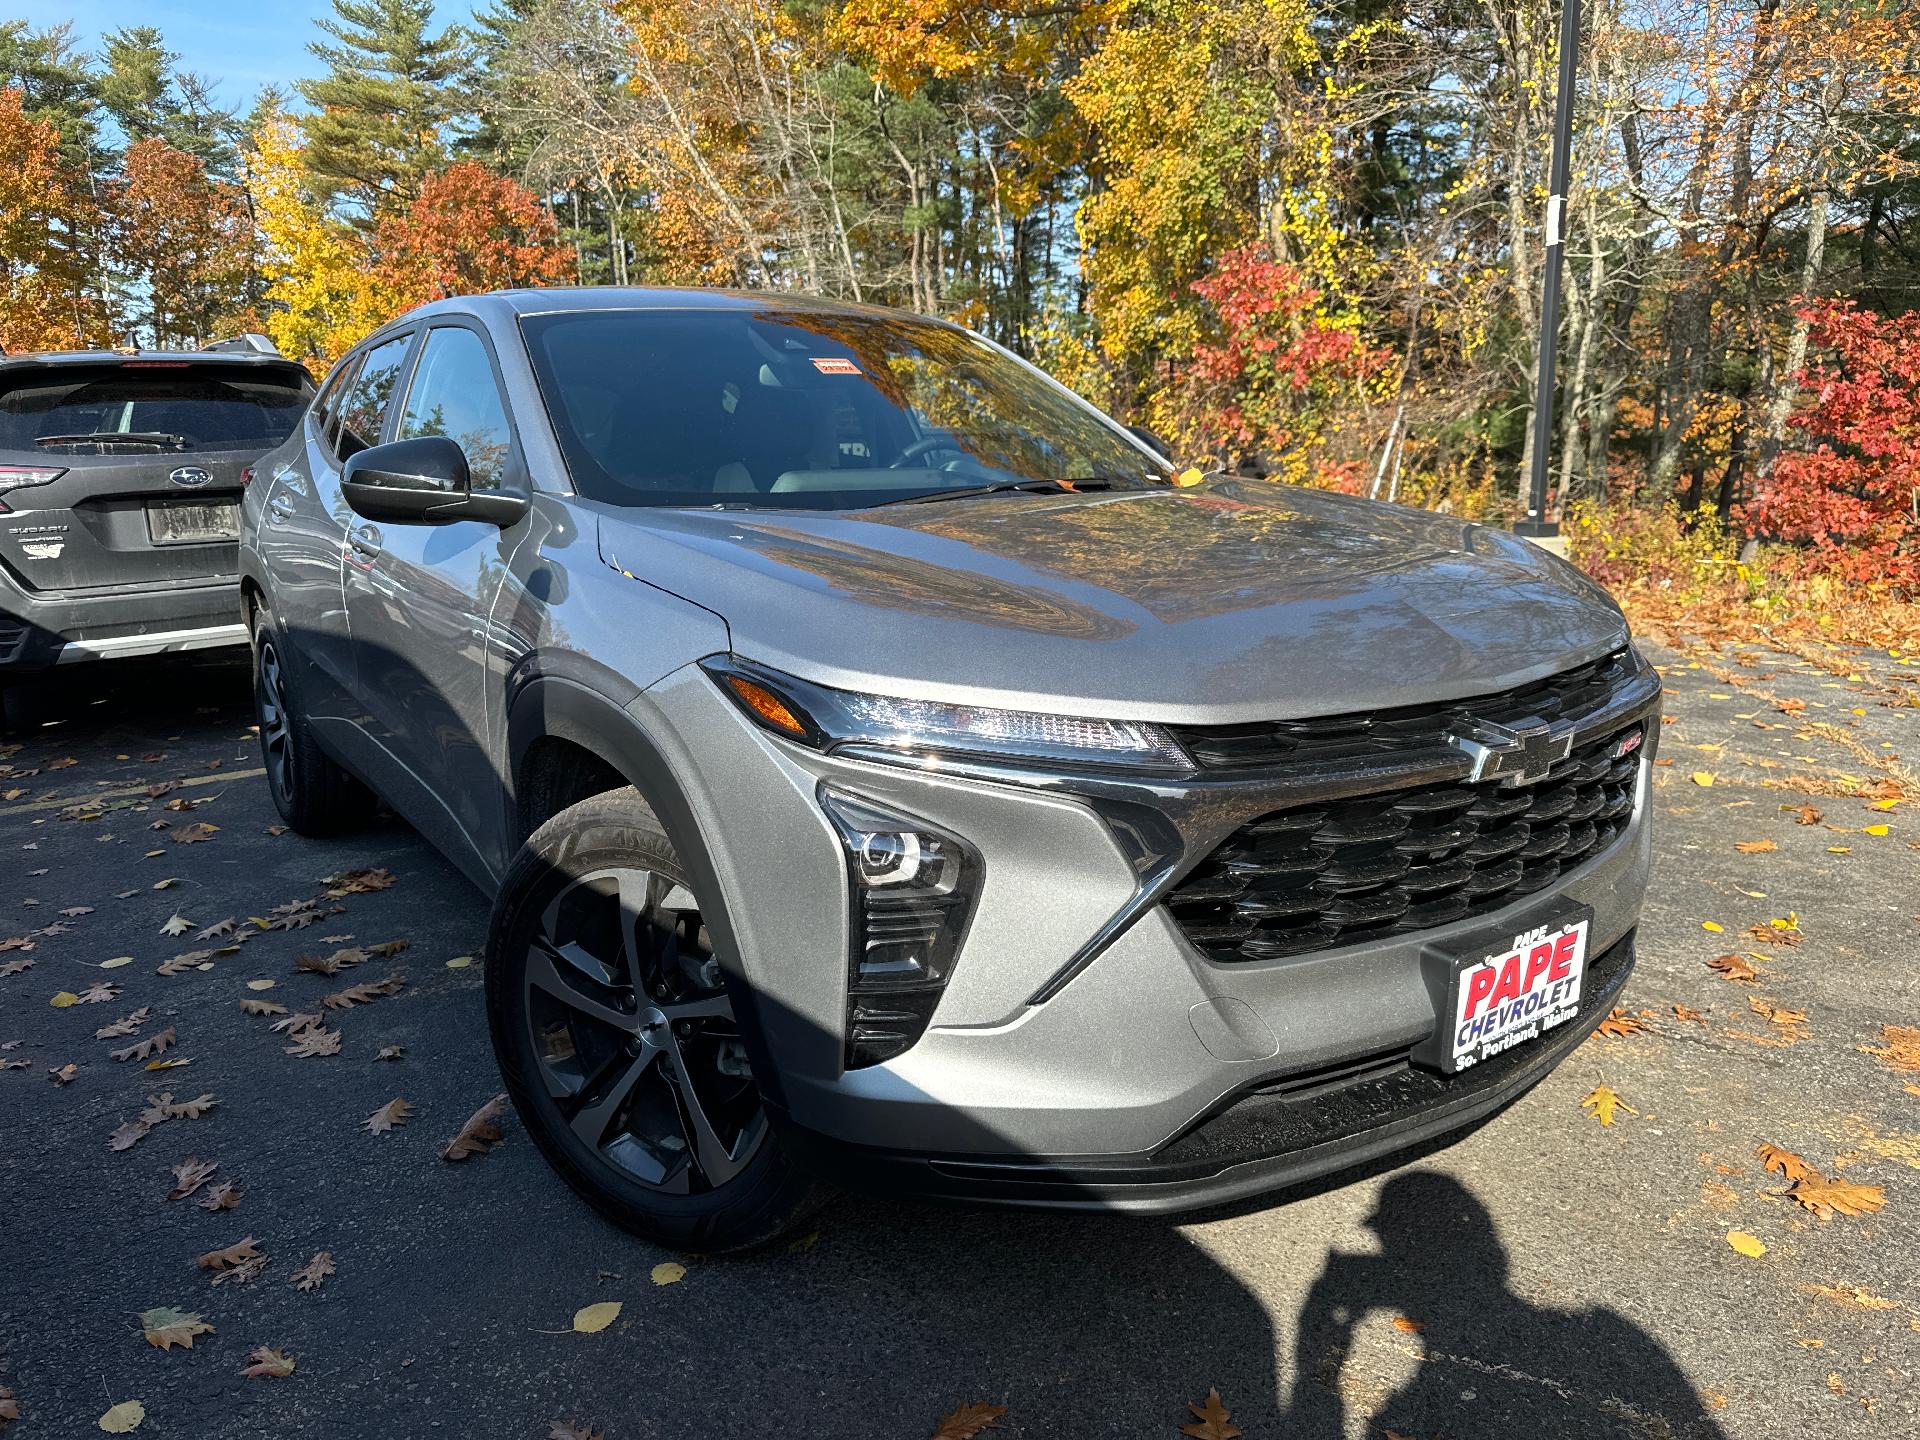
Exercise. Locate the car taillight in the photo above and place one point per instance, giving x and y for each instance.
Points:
(246, 477)
(19, 477)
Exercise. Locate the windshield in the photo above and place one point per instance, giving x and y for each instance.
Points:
(803, 410)
(148, 407)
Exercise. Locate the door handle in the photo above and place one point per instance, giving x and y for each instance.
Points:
(280, 508)
(365, 541)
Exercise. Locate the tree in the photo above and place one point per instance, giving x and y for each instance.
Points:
(1849, 498)
(183, 239)
(46, 302)
(468, 231)
(320, 292)
(382, 106)
(151, 98)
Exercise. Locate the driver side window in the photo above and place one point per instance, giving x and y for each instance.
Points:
(454, 394)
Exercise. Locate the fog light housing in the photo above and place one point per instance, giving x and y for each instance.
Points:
(911, 888)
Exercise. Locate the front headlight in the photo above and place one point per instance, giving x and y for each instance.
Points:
(884, 727)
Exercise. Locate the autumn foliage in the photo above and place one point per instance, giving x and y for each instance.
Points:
(469, 230)
(1850, 497)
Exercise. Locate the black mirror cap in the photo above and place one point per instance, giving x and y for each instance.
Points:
(1153, 441)
(424, 482)
(432, 464)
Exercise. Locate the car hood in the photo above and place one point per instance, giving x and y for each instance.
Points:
(1228, 601)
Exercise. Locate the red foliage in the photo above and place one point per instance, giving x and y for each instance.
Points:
(469, 231)
(1271, 375)
(1849, 498)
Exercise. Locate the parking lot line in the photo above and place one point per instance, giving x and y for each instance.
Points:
(67, 802)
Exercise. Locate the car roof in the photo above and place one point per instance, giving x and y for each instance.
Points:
(503, 305)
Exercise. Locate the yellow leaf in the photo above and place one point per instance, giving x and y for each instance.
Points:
(64, 999)
(124, 1417)
(116, 962)
(669, 1272)
(1747, 1245)
(1702, 777)
(1876, 829)
(459, 962)
(1713, 925)
(1602, 1101)
(259, 984)
(1189, 476)
(1883, 804)
(592, 1319)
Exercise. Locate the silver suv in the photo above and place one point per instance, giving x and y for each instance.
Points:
(882, 767)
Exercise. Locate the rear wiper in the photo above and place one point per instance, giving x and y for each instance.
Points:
(1001, 487)
(155, 438)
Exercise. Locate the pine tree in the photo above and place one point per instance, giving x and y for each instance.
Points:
(150, 98)
(383, 105)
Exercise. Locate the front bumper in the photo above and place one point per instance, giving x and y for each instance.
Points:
(1085, 1054)
(39, 632)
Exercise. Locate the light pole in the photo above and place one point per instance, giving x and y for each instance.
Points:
(1559, 174)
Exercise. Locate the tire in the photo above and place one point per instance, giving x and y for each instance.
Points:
(311, 792)
(613, 1025)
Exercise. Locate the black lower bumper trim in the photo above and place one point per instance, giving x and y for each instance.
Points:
(1268, 1139)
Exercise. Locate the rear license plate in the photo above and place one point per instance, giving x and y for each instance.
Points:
(190, 524)
(1497, 994)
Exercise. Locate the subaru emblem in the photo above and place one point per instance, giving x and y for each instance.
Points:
(191, 476)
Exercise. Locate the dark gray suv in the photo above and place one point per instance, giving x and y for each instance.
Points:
(120, 479)
(883, 767)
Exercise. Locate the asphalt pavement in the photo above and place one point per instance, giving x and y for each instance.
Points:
(1546, 1276)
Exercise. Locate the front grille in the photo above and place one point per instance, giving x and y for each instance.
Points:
(1347, 737)
(1319, 875)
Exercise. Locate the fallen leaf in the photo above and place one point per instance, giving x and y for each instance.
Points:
(390, 1052)
(1602, 1101)
(64, 999)
(1899, 1049)
(189, 1175)
(223, 1196)
(268, 1364)
(459, 962)
(1712, 926)
(1733, 967)
(966, 1421)
(162, 1107)
(363, 994)
(330, 964)
(359, 882)
(317, 1040)
(193, 834)
(480, 1134)
(669, 1272)
(9, 1408)
(1776, 1161)
(240, 1261)
(383, 1120)
(124, 1026)
(146, 1049)
(592, 1319)
(1683, 1012)
(130, 1134)
(1619, 1023)
(259, 984)
(295, 1023)
(166, 1327)
(1406, 1326)
(1748, 1245)
(387, 949)
(116, 962)
(99, 993)
(310, 1275)
(1210, 1420)
(1803, 814)
(1875, 830)
(1755, 847)
(64, 1074)
(1778, 1014)
(249, 1006)
(124, 1418)
(217, 930)
(1826, 1198)
(1702, 778)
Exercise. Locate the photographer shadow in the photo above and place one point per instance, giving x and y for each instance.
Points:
(1491, 1363)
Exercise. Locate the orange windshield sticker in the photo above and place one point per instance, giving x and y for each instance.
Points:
(834, 365)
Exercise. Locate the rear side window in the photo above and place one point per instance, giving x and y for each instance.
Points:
(149, 408)
(364, 401)
(454, 394)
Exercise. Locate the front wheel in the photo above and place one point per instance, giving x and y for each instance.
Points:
(613, 1023)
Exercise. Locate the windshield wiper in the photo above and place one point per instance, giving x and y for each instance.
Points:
(155, 438)
(1001, 487)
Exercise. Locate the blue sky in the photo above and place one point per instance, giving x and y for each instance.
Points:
(244, 45)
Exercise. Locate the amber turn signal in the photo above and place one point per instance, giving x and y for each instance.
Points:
(767, 705)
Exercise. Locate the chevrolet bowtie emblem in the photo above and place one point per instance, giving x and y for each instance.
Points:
(1518, 754)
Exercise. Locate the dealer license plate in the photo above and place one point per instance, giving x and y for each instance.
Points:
(1515, 992)
(188, 524)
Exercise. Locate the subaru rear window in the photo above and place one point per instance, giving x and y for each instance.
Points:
(123, 410)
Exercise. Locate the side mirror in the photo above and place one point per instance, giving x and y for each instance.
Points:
(423, 482)
(1153, 441)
